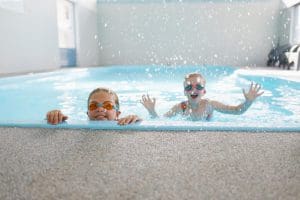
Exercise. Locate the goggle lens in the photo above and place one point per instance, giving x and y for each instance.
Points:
(93, 106)
(106, 105)
(199, 87)
(190, 87)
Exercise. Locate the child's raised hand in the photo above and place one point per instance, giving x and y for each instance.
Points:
(149, 104)
(55, 116)
(129, 120)
(253, 92)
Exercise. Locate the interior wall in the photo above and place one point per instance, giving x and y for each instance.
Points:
(237, 33)
(87, 33)
(29, 38)
(188, 32)
(284, 27)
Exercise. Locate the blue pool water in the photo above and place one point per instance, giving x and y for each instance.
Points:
(26, 99)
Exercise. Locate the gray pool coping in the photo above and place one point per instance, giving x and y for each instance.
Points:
(152, 126)
(93, 164)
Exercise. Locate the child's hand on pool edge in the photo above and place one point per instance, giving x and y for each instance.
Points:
(129, 120)
(253, 92)
(55, 117)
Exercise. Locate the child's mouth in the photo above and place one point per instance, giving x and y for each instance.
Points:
(194, 96)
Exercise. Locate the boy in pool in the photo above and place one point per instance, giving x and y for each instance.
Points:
(198, 108)
(103, 104)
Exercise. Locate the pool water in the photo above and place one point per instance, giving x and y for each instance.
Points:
(26, 99)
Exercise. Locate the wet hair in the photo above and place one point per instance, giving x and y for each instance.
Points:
(105, 90)
(195, 74)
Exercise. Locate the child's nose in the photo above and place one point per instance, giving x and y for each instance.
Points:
(101, 109)
(194, 90)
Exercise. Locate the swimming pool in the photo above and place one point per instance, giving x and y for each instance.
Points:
(26, 99)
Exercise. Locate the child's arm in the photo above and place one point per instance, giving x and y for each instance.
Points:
(55, 117)
(250, 96)
(149, 104)
(174, 110)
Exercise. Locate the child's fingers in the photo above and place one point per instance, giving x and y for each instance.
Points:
(144, 97)
(65, 117)
(121, 121)
(60, 117)
(52, 117)
(251, 86)
(259, 94)
(143, 103)
(244, 92)
(129, 120)
(55, 118)
(136, 119)
(258, 87)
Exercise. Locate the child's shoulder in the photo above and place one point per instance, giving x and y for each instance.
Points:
(206, 101)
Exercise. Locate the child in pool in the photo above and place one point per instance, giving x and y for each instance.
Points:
(103, 104)
(198, 108)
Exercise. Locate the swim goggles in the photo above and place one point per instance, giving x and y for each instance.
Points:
(108, 105)
(190, 87)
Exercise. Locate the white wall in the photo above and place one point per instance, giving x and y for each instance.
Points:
(221, 33)
(284, 27)
(29, 39)
(141, 33)
(87, 38)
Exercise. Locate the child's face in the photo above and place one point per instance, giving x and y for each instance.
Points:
(194, 88)
(100, 113)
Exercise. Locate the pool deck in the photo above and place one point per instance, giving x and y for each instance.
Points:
(83, 164)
